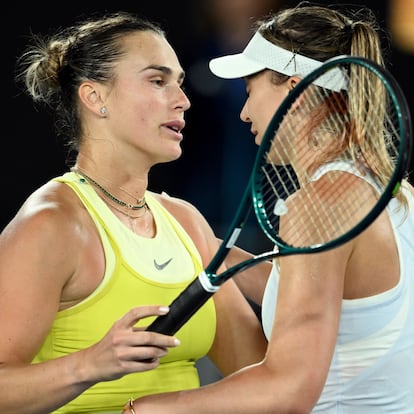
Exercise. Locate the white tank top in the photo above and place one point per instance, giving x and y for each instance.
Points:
(372, 370)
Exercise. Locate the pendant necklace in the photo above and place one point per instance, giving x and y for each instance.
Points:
(141, 206)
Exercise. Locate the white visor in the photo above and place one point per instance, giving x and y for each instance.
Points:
(261, 54)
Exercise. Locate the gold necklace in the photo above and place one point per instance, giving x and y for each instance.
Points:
(142, 207)
(131, 219)
(141, 203)
(130, 216)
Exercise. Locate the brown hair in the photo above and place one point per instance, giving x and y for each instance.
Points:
(52, 68)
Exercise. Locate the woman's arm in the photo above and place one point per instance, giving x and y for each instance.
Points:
(252, 281)
(43, 253)
(291, 376)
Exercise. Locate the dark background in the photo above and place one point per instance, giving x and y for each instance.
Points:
(218, 149)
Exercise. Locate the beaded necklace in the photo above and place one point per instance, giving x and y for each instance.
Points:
(141, 203)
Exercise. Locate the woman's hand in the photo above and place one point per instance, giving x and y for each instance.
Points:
(125, 348)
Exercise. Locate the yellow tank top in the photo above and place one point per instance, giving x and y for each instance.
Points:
(124, 286)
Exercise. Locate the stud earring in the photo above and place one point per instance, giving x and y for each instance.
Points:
(103, 110)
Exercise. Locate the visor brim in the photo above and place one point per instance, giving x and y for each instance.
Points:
(234, 66)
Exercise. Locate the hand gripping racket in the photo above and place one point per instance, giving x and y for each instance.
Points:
(334, 154)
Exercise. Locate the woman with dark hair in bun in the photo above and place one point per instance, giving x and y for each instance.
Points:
(93, 253)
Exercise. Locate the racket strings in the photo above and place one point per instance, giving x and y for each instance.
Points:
(324, 169)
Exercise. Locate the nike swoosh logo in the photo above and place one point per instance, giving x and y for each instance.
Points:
(162, 265)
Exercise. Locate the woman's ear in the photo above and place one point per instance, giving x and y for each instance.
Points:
(90, 97)
(293, 81)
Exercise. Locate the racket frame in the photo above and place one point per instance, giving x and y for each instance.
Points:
(208, 282)
(404, 121)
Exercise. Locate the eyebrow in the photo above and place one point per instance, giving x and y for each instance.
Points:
(164, 69)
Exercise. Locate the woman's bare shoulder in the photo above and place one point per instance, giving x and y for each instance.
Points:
(53, 207)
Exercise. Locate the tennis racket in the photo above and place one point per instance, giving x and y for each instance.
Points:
(333, 155)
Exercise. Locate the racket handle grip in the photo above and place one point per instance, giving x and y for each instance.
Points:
(184, 306)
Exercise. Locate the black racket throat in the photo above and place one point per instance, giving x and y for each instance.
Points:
(184, 306)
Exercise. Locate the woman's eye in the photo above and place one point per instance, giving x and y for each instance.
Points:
(159, 82)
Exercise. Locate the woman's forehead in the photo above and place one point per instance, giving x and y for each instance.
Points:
(150, 49)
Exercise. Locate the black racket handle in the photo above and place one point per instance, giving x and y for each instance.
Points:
(182, 308)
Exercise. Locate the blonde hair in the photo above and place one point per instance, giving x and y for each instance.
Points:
(322, 33)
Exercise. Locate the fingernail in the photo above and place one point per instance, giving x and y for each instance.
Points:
(164, 309)
(177, 342)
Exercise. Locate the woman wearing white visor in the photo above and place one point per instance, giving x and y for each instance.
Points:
(339, 323)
